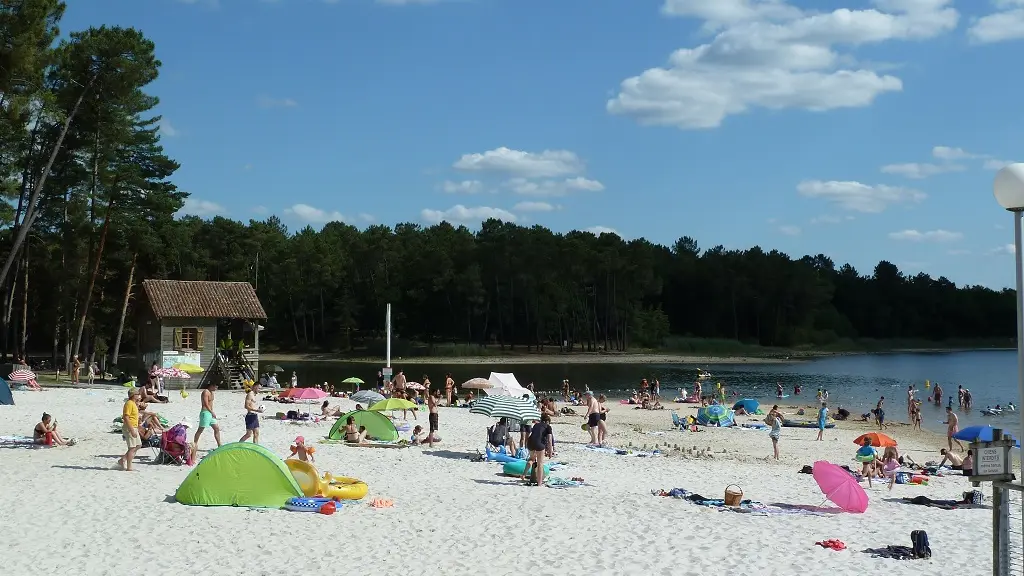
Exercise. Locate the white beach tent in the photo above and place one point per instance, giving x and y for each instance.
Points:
(505, 384)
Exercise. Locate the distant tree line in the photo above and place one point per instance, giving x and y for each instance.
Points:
(90, 213)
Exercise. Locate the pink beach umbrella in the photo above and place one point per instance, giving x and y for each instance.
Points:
(415, 386)
(307, 394)
(840, 487)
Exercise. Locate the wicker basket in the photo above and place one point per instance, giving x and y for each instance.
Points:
(733, 495)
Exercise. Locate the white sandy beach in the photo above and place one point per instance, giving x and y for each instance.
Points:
(66, 511)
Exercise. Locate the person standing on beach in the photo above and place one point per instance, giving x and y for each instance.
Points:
(602, 425)
(593, 417)
(776, 431)
(910, 402)
(207, 418)
(433, 398)
(960, 395)
(76, 367)
(449, 385)
(822, 420)
(252, 415)
(130, 430)
(399, 382)
(952, 427)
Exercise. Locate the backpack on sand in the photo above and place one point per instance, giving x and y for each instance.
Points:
(919, 539)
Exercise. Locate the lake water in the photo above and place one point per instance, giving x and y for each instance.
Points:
(854, 382)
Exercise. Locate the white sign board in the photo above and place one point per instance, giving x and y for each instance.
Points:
(386, 372)
(990, 462)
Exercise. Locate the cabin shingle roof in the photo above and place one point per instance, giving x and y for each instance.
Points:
(199, 299)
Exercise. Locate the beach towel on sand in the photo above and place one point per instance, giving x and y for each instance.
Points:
(25, 441)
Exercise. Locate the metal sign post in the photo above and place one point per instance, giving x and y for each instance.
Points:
(992, 464)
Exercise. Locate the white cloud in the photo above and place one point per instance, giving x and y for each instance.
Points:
(314, 215)
(462, 187)
(994, 164)
(918, 171)
(1006, 23)
(829, 219)
(790, 230)
(928, 236)
(166, 129)
(259, 210)
(460, 214)
(367, 217)
(269, 102)
(553, 187)
(949, 153)
(1004, 249)
(546, 164)
(598, 230)
(533, 207)
(770, 54)
(201, 208)
(859, 197)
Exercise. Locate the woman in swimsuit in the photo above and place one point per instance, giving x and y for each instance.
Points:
(46, 433)
(351, 432)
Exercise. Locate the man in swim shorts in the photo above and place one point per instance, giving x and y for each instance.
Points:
(593, 417)
(252, 415)
(207, 418)
(433, 399)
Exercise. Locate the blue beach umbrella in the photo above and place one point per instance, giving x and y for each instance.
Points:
(748, 404)
(716, 414)
(977, 434)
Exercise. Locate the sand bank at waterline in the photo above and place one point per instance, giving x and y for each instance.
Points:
(66, 512)
(587, 358)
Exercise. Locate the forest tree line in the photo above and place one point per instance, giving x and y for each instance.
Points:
(90, 212)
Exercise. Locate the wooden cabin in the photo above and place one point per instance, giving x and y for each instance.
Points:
(179, 321)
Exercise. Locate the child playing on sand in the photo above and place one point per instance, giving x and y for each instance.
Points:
(866, 455)
(890, 464)
(302, 452)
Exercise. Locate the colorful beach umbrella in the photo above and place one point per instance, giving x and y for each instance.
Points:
(506, 407)
(366, 397)
(22, 375)
(415, 386)
(307, 394)
(172, 373)
(840, 487)
(978, 434)
(392, 404)
(477, 384)
(715, 415)
(353, 380)
(878, 440)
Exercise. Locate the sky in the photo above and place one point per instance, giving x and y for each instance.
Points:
(861, 129)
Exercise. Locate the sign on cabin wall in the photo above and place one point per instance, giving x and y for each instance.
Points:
(175, 359)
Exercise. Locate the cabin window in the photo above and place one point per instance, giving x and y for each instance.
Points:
(188, 339)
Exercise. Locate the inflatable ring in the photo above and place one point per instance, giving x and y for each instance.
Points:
(305, 504)
(861, 458)
(342, 488)
(518, 468)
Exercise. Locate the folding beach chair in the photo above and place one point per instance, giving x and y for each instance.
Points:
(174, 447)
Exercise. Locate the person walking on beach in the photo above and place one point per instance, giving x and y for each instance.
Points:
(252, 415)
(433, 398)
(952, 427)
(593, 417)
(776, 432)
(130, 430)
(207, 418)
(822, 420)
(602, 425)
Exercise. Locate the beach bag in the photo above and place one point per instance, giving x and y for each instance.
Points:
(974, 497)
(902, 478)
(919, 539)
(293, 414)
(522, 453)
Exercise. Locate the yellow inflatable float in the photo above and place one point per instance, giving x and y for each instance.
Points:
(311, 484)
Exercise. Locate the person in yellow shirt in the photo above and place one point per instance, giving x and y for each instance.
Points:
(130, 430)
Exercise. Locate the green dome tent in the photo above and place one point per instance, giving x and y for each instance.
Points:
(377, 425)
(239, 474)
(6, 398)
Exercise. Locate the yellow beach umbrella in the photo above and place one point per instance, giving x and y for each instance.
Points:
(392, 404)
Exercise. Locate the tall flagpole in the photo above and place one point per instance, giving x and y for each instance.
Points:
(388, 321)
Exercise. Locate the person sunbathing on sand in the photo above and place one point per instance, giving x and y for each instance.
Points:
(46, 433)
(328, 412)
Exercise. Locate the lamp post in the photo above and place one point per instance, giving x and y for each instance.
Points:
(1009, 191)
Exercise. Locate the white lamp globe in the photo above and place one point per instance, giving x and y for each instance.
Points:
(1009, 187)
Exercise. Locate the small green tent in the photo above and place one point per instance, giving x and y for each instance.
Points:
(239, 474)
(378, 426)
